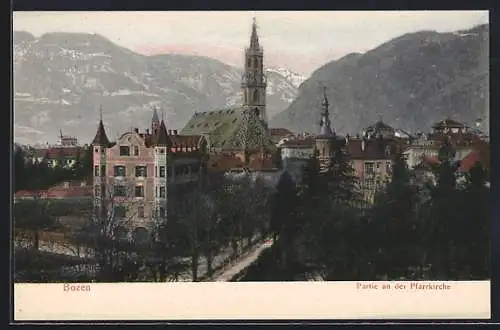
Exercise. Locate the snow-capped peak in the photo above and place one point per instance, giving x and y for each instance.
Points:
(294, 78)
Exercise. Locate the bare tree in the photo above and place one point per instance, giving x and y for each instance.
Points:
(115, 254)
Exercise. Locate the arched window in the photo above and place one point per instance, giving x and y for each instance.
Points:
(255, 62)
(249, 62)
(256, 96)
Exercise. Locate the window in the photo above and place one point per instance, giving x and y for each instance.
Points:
(136, 151)
(162, 211)
(249, 63)
(96, 170)
(97, 191)
(256, 97)
(369, 168)
(388, 167)
(162, 171)
(120, 212)
(162, 150)
(156, 171)
(124, 151)
(141, 171)
(140, 211)
(378, 165)
(139, 191)
(369, 183)
(387, 151)
(120, 170)
(162, 192)
(103, 170)
(96, 150)
(120, 191)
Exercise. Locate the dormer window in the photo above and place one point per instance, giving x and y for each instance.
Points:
(124, 151)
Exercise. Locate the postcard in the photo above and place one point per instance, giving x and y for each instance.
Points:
(268, 165)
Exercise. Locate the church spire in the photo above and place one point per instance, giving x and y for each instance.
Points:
(325, 124)
(254, 38)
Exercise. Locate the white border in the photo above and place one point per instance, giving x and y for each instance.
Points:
(251, 301)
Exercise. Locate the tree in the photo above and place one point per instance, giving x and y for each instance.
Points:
(443, 214)
(20, 170)
(115, 256)
(472, 228)
(284, 216)
(394, 215)
(330, 208)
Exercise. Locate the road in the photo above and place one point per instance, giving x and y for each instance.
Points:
(227, 273)
(244, 262)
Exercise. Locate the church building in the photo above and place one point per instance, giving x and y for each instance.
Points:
(239, 137)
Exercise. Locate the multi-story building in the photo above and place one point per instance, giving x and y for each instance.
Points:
(461, 137)
(133, 174)
(65, 153)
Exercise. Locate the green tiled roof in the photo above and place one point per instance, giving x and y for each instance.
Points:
(229, 129)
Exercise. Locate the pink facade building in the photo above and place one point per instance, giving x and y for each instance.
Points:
(131, 176)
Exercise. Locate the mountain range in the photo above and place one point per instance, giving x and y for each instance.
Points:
(62, 79)
(409, 82)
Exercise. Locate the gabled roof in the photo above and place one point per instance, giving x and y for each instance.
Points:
(161, 138)
(100, 138)
(468, 162)
(230, 129)
(279, 132)
(73, 189)
(447, 122)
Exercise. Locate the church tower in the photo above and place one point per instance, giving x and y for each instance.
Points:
(253, 82)
(325, 141)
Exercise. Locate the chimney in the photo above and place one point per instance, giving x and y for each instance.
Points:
(169, 132)
(175, 132)
(362, 144)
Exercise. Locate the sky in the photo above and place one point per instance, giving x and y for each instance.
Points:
(300, 41)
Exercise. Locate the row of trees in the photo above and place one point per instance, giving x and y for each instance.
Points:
(199, 225)
(415, 230)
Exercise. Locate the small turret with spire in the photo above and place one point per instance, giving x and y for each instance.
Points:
(100, 138)
(325, 124)
(155, 122)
